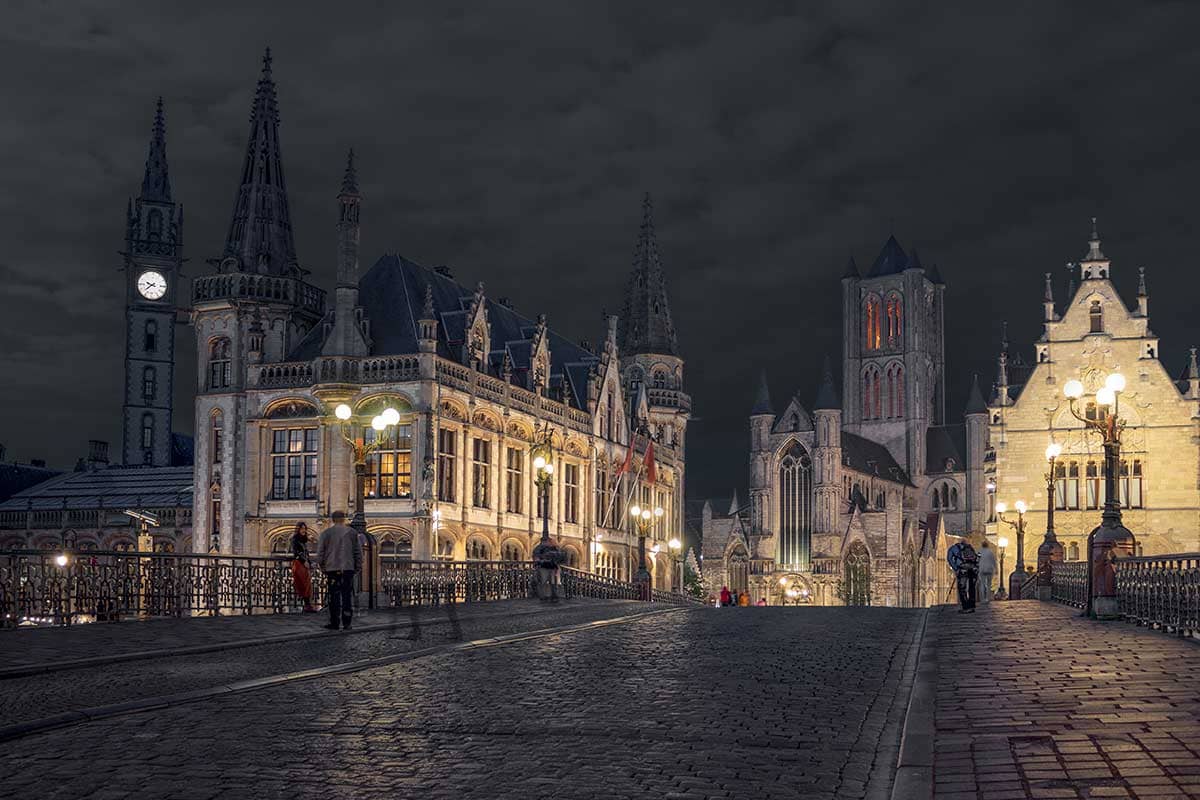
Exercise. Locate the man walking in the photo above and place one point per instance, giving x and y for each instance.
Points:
(340, 553)
(546, 558)
(965, 563)
(987, 570)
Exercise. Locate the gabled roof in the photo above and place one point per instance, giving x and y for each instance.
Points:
(975, 404)
(116, 488)
(863, 455)
(892, 260)
(392, 295)
(943, 443)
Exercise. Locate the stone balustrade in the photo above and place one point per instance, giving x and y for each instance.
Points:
(263, 288)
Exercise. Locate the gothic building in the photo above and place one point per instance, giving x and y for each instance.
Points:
(852, 501)
(1087, 337)
(473, 380)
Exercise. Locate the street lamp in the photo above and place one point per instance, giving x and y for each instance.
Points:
(543, 471)
(1002, 545)
(644, 518)
(1111, 536)
(676, 548)
(362, 449)
(1018, 574)
(1049, 551)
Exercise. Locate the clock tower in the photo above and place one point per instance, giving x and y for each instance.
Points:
(153, 247)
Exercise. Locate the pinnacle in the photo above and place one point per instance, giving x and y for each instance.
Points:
(762, 401)
(156, 184)
(975, 404)
(350, 179)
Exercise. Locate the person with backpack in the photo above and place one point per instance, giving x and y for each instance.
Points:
(965, 562)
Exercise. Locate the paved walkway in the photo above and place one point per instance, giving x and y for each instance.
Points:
(692, 703)
(1034, 702)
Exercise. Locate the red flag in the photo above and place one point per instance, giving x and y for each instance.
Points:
(628, 459)
(651, 473)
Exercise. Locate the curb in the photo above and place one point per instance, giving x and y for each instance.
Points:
(27, 670)
(8, 732)
(914, 770)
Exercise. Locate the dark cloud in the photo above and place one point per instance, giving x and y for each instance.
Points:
(513, 142)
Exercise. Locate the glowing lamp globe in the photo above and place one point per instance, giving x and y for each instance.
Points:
(1105, 396)
(783, 581)
(1021, 507)
(658, 512)
(1073, 390)
(1116, 382)
(61, 559)
(1001, 508)
(1002, 542)
(674, 544)
(391, 416)
(636, 511)
(549, 468)
(646, 514)
(379, 423)
(343, 412)
(655, 549)
(1053, 451)
(539, 463)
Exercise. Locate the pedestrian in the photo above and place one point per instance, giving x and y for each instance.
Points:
(744, 599)
(726, 597)
(987, 571)
(762, 601)
(301, 575)
(546, 559)
(713, 601)
(965, 563)
(341, 554)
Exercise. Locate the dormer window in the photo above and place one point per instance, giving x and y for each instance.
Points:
(1096, 315)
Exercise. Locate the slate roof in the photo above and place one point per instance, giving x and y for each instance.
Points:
(975, 404)
(18, 477)
(119, 487)
(944, 442)
(892, 260)
(392, 293)
(871, 458)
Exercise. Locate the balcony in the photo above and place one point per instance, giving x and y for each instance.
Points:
(264, 288)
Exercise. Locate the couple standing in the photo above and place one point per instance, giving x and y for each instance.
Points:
(973, 571)
(340, 556)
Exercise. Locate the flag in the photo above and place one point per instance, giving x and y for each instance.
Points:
(651, 473)
(628, 458)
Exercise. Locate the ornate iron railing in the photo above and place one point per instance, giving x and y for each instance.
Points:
(419, 583)
(1161, 591)
(1028, 588)
(1068, 583)
(61, 588)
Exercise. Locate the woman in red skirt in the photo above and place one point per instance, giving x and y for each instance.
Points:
(301, 577)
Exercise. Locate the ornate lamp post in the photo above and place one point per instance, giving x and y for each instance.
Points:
(1049, 551)
(350, 430)
(1002, 545)
(543, 471)
(676, 548)
(643, 518)
(1110, 538)
(1018, 573)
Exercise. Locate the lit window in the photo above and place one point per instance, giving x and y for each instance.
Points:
(447, 448)
(514, 488)
(294, 464)
(570, 492)
(389, 468)
(481, 473)
(219, 364)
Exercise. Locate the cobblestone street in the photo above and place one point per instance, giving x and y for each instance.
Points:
(693, 703)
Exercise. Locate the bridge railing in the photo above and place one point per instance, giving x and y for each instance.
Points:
(62, 588)
(1068, 583)
(1161, 591)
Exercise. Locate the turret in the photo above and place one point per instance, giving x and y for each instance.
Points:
(827, 457)
(347, 337)
(1143, 299)
(1095, 265)
(976, 417)
(1048, 301)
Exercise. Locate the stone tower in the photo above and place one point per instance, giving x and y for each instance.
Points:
(894, 363)
(827, 461)
(649, 352)
(153, 256)
(976, 416)
(762, 418)
(252, 311)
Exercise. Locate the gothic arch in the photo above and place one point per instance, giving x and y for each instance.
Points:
(794, 477)
(376, 402)
(291, 408)
(513, 549)
(453, 409)
(856, 575)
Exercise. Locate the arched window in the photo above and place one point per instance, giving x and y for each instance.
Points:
(795, 508)
(478, 550)
(147, 432)
(570, 557)
(661, 379)
(396, 548)
(444, 549)
(945, 495)
(856, 578)
(954, 497)
(895, 320)
(511, 551)
(219, 364)
(154, 224)
(872, 394)
(895, 391)
(218, 421)
(149, 384)
(150, 336)
(873, 323)
(1096, 315)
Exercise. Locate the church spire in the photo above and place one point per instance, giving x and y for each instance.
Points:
(347, 335)
(156, 185)
(827, 398)
(646, 325)
(260, 234)
(762, 401)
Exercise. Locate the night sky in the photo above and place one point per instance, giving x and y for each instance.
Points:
(514, 145)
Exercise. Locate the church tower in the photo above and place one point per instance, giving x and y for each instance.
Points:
(253, 311)
(153, 256)
(894, 363)
(649, 352)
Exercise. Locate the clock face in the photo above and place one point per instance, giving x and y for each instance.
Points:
(151, 285)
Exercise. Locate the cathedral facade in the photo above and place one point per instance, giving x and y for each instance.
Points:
(475, 382)
(1089, 336)
(852, 500)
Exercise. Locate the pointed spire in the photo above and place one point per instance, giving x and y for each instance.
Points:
(914, 260)
(156, 185)
(260, 233)
(1142, 282)
(975, 404)
(851, 269)
(935, 275)
(827, 398)
(350, 179)
(1193, 368)
(646, 325)
(734, 506)
(762, 401)
(1094, 253)
(1049, 298)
